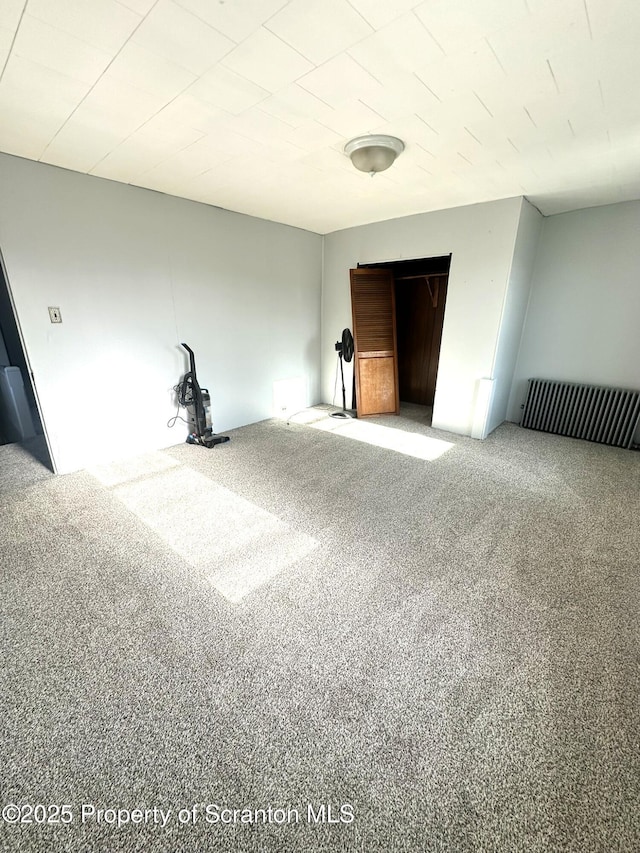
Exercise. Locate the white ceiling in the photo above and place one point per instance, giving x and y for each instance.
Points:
(247, 104)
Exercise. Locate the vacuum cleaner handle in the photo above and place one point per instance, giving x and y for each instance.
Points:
(192, 359)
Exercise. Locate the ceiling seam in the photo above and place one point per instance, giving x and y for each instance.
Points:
(13, 40)
(104, 71)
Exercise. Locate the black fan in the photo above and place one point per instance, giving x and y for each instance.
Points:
(344, 348)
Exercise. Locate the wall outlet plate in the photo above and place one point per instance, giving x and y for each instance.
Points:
(54, 315)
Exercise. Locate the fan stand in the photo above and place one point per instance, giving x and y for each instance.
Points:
(344, 414)
(345, 350)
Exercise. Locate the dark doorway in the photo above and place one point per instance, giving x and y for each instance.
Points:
(20, 422)
(420, 296)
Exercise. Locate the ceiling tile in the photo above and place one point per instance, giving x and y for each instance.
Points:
(579, 64)
(224, 177)
(281, 151)
(177, 35)
(379, 13)
(60, 51)
(203, 186)
(339, 78)
(295, 106)
(267, 61)
(80, 146)
(129, 160)
(116, 107)
(319, 30)
(258, 126)
(163, 182)
(455, 113)
(27, 131)
(532, 40)
(455, 25)
(106, 24)
(313, 136)
(403, 45)
(236, 20)
(511, 121)
(37, 87)
(566, 115)
(6, 40)
(353, 118)
(618, 74)
(227, 141)
(621, 105)
(188, 163)
(402, 94)
(227, 91)
(468, 70)
(166, 135)
(186, 111)
(139, 6)
(24, 140)
(328, 160)
(142, 151)
(10, 12)
(524, 85)
(139, 67)
(620, 20)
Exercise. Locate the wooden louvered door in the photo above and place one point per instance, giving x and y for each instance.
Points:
(374, 333)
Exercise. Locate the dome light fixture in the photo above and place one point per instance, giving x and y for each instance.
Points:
(373, 153)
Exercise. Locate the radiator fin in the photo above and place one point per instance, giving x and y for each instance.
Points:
(592, 412)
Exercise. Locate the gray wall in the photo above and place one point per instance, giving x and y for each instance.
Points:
(583, 319)
(514, 313)
(135, 273)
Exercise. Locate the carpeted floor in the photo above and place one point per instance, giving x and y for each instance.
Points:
(23, 465)
(427, 646)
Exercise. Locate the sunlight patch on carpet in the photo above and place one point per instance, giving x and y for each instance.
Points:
(409, 443)
(235, 543)
(130, 469)
(308, 416)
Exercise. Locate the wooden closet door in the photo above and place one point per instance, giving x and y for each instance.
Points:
(374, 334)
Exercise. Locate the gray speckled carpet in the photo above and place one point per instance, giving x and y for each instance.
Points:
(23, 465)
(431, 646)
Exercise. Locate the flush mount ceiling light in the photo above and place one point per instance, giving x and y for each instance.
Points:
(373, 153)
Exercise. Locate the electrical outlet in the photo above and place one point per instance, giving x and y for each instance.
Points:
(54, 315)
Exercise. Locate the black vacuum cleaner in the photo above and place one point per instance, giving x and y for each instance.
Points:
(197, 402)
